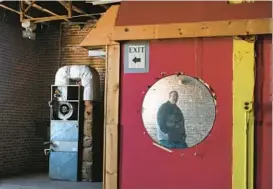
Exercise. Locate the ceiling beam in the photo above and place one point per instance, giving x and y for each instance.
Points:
(74, 8)
(46, 19)
(43, 9)
(69, 9)
(29, 6)
(22, 7)
(13, 10)
(88, 15)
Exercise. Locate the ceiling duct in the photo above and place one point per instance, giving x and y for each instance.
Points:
(78, 72)
(102, 2)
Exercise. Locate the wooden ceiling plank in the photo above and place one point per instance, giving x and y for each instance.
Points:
(63, 4)
(29, 6)
(43, 9)
(74, 8)
(78, 10)
(13, 10)
(46, 19)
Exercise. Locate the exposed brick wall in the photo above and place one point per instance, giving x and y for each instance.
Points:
(47, 49)
(18, 88)
(27, 71)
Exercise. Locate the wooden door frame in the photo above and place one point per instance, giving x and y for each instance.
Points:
(107, 34)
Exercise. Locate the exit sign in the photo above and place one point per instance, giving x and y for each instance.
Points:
(136, 57)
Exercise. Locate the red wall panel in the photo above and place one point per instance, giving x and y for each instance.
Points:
(145, 166)
(263, 97)
(141, 13)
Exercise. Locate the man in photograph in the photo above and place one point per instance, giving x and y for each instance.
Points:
(171, 127)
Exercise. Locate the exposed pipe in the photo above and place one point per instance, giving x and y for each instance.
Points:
(77, 72)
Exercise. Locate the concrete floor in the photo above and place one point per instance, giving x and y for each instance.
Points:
(43, 182)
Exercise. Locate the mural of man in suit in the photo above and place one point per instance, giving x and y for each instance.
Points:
(171, 125)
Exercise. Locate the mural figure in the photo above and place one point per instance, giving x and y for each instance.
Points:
(171, 124)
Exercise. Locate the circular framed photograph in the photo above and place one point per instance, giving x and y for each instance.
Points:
(178, 111)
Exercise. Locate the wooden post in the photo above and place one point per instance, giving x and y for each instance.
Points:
(98, 37)
(110, 173)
